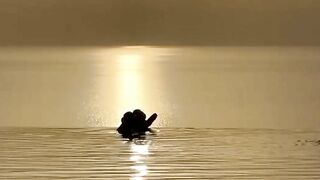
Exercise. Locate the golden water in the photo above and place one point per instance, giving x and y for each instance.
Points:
(176, 153)
(198, 87)
(217, 87)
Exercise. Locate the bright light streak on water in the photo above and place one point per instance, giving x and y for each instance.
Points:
(140, 148)
(140, 151)
(130, 91)
(36, 153)
(217, 87)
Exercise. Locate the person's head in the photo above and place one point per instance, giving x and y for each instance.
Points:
(127, 117)
(139, 114)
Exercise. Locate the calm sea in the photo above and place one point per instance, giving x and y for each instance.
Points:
(247, 88)
(201, 87)
(173, 153)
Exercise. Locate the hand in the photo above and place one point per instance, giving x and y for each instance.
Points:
(151, 119)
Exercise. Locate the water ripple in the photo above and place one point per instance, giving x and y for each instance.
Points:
(97, 153)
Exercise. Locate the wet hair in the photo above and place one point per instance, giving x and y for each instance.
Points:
(126, 117)
(139, 114)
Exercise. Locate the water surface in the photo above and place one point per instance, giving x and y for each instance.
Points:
(175, 153)
(216, 87)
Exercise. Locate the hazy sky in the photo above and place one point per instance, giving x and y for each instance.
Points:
(159, 22)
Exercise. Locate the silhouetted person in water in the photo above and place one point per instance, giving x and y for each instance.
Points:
(135, 123)
(126, 124)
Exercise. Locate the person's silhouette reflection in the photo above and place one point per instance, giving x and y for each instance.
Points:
(135, 124)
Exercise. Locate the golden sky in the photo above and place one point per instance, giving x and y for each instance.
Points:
(160, 22)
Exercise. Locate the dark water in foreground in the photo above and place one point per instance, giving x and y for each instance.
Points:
(41, 153)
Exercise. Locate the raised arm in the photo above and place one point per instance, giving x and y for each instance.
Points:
(151, 119)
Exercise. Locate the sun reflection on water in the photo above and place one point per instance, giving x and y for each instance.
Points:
(130, 82)
(140, 151)
(131, 79)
